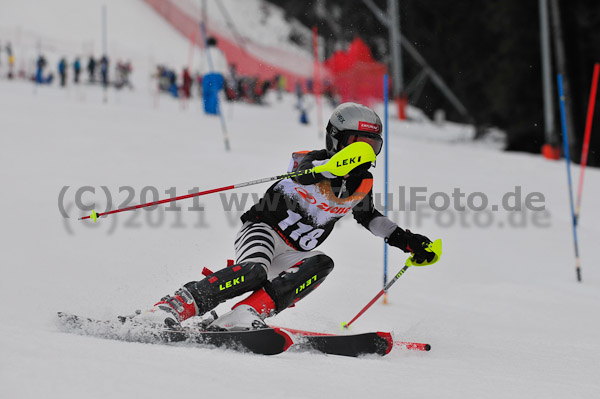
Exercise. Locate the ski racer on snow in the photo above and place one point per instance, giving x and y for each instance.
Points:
(276, 259)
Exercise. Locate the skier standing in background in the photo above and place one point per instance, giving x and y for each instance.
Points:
(275, 249)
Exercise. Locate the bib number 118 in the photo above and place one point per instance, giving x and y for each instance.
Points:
(306, 235)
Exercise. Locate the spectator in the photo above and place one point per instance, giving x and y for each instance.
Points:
(173, 89)
(186, 85)
(11, 60)
(91, 68)
(62, 71)
(76, 70)
(123, 71)
(299, 95)
(39, 74)
(104, 70)
(309, 86)
(280, 83)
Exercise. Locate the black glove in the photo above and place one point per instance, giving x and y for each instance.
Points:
(410, 242)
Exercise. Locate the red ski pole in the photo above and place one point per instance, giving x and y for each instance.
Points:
(95, 215)
(379, 294)
(340, 165)
(435, 247)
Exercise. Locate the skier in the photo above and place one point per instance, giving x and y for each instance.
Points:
(275, 249)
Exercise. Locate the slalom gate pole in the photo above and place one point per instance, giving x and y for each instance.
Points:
(563, 119)
(317, 82)
(191, 52)
(211, 68)
(586, 139)
(340, 164)
(386, 178)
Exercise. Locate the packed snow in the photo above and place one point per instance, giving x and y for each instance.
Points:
(502, 310)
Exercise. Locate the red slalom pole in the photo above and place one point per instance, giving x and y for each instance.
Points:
(588, 131)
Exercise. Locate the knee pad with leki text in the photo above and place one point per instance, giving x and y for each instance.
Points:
(298, 281)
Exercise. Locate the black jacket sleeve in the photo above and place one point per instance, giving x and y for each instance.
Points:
(365, 211)
(307, 163)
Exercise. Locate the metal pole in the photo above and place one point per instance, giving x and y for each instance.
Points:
(104, 40)
(386, 145)
(563, 119)
(104, 51)
(546, 74)
(394, 32)
(435, 78)
(561, 63)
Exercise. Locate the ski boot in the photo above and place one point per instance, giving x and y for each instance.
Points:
(241, 318)
(248, 314)
(170, 310)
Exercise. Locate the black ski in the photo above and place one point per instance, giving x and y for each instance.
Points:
(266, 341)
(351, 345)
(372, 343)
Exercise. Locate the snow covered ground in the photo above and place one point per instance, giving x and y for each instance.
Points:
(502, 310)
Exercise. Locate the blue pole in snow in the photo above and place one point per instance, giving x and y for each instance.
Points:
(211, 69)
(563, 120)
(385, 200)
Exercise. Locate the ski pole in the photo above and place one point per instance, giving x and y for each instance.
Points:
(340, 165)
(95, 215)
(379, 294)
(435, 247)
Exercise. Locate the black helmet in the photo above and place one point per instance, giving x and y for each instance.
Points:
(351, 122)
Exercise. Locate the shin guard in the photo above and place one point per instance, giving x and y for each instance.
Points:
(298, 281)
(226, 283)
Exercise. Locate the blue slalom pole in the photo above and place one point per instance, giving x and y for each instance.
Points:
(386, 171)
(563, 119)
(210, 67)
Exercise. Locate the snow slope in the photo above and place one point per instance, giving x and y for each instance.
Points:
(502, 310)
(73, 28)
